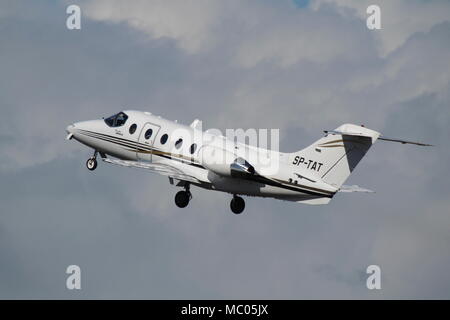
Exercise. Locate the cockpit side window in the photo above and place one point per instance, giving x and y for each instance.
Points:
(121, 119)
(110, 121)
(117, 120)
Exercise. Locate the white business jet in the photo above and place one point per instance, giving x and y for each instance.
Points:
(189, 156)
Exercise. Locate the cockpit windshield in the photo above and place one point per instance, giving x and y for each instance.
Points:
(116, 120)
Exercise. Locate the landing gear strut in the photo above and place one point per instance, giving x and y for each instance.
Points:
(237, 204)
(182, 198)
(91, 163)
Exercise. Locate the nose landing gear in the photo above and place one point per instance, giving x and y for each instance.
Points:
(237, 204)
(91, 163)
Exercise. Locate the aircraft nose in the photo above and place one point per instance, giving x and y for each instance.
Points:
(75, 129)
(70, 128)
(70, 131)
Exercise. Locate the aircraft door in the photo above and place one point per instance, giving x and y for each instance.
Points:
(148, 135)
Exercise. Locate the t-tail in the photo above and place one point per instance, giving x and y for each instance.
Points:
(332, 158)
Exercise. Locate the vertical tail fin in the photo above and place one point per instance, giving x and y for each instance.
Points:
(333, 157)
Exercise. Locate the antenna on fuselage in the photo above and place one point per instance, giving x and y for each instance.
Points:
(196, 124)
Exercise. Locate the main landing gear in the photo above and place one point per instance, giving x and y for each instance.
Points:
(91, 163)
(237, 204)
(182, 198)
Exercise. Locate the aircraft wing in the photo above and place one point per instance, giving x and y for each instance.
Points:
(353, 188)
(163, 169)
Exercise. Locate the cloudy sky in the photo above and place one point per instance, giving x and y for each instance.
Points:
(300, 66)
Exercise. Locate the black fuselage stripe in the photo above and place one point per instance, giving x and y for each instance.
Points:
(132, 144)
(283, 186)
(136, 144)
(311, 188)
(136, 147)
(124, 144)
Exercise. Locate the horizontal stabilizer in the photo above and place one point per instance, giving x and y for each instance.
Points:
(347, 133)
(351, 130)
(355, 132)
(354, 188)
(405, 141)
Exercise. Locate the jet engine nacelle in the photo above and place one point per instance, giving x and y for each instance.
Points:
(225, 163)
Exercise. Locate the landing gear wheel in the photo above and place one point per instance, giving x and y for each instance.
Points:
(237, 205)
(91, 164)
(182, 199)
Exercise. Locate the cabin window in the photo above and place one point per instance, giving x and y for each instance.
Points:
(193, 148)
(290, 180)
(133, 128)
(116, 120)
(164, 138)
(179, 143)
(148, 134)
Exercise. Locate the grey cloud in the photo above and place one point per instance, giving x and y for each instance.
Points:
(120, 225)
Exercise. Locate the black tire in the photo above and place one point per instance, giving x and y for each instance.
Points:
(182, 199)
(91, 164)
(237, 205)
